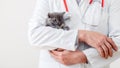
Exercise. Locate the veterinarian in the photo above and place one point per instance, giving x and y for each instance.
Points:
(94, 24)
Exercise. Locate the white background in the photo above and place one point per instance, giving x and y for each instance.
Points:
(15, 51)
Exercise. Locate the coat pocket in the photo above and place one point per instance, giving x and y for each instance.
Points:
(93, 15)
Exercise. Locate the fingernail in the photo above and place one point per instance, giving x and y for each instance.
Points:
(116, 49)
(110, 55)
(105, 57)
(102, 56)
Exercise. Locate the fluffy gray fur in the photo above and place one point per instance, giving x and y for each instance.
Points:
(56, 20)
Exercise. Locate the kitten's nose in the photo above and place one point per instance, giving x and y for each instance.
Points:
(54, 19)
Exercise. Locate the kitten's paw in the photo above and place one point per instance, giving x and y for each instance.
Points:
(66, 28)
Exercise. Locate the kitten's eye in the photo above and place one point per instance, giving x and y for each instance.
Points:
(55, 20)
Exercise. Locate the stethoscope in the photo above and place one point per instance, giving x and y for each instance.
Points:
(90, 2)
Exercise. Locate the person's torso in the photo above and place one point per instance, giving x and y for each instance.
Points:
(83, 17)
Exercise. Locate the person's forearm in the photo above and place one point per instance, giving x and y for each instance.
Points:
(101, 42)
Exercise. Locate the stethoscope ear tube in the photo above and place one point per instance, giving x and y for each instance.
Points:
(66, 6)
(91, 1)
(103, 3)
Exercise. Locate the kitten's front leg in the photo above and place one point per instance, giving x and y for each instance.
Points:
(58, 27)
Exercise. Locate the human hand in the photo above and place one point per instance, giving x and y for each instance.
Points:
(102, 43)
(69, 57)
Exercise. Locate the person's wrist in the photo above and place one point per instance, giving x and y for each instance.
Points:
(82, 57)
(81, 35)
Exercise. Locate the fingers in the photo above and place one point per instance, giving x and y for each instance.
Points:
(100, 50)
(110, 51)
(56, 53)
(112, 43)
(57, 58)
(60, 49)
(105, 50)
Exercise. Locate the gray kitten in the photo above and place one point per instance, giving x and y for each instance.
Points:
(56, 20)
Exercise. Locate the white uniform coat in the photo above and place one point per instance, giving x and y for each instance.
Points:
(84, 17)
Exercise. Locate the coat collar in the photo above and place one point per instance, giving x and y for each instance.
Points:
(81, 8)
(84, 4)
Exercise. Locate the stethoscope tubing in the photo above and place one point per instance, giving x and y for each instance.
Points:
(90, 2)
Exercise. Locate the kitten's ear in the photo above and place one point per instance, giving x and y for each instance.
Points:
(63, 13)
(49, 15)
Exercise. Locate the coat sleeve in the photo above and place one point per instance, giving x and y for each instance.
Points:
(47, 37)
(114, 32)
